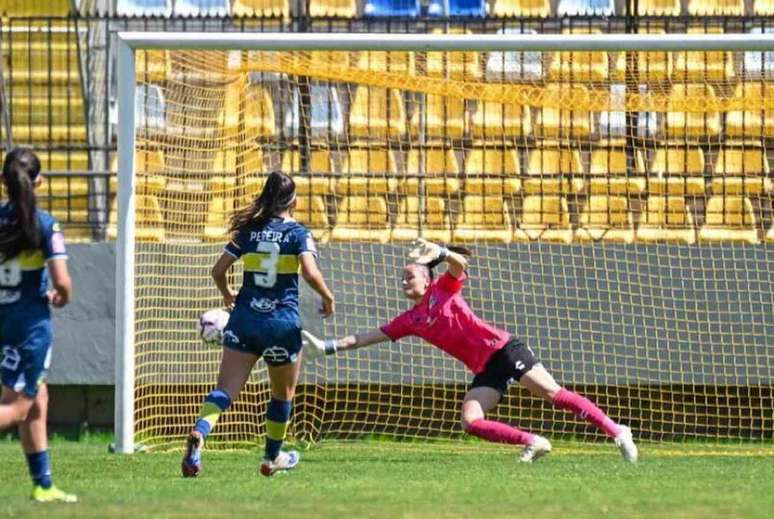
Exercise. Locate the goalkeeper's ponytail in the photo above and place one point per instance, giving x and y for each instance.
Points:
(465, 251)
(277, 196)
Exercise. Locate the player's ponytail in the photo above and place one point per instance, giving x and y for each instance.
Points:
(278, 195)
(459, 249)
(20, 171)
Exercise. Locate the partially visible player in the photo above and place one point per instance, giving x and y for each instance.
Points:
(30, 241)
(265, 320)
(497, 359)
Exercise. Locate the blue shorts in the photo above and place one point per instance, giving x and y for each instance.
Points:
(276, 337)
(26, 353)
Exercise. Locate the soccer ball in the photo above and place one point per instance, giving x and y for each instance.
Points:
(211, 325)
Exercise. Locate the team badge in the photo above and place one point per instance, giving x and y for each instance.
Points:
(263, 305)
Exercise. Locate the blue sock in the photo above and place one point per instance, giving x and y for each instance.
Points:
(215, 403)
(277, 416)
(40, 469)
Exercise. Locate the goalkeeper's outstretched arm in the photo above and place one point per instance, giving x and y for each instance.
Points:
(319, 347)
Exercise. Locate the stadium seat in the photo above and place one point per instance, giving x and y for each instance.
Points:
(716, 7)
(434, 222)
(510, 66)
(610, 174)
(368, 171)
(439, 167)
(553, 122)
(654, 67)
(333, 8)
(381, 61)
(311, 212)
(703, 66)
(149, 221)
(150, 108)
(495, 121)
(453, 65)
(741, 170)
(521, 8)
(544, 218)
(579, 66)
(362, 218)
(202, 8)
(153, 66)
(492, 170)
(760, 63)
(483, 218)
(605, 218)
(680, 122)
(378, 113)
(444, 117)
(65, 197)
(658, 7)
(63, 160)
(258, 113)
(219, 210)
(666, 219)
(25, 8)
(550, 171)
(729, 219)
(585, 7)
(755, 122)
(326, 114)
(149, 167)
(143, 8)
(677, 170)
(613, 123)
(261, 8)
(407, 8)
(457, 8)
(318, 179)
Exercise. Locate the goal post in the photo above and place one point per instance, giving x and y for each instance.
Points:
(558, 262)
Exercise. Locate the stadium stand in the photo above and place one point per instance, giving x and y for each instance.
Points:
(492, 170)
(680, 122)
(457, 8)
(384, 8)
(333, 8)
(585, 7)
(544, 218)
(495, 121)
(319, 180)
(326, 113)
(362, 218)
(436, 167)
(202, 8)
(443, 117)
(431, 221)
(716, 7)
(658, 7)
(609, 172)
(677, 170)
(517, 8)
(311, 211)
(605, 218)
(368, 170)
(141, 8)
(553, 170)
(261, 8)
(666, 219)
(510, 66)
(483, 218)
(751, 123)
(378, 113)
(729, 219)
(741, 170)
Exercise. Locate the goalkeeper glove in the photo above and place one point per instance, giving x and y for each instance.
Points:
(424, 252)
(316, 348)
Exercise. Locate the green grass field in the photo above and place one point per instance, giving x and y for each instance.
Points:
(398, 479)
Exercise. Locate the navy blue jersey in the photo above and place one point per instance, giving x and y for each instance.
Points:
(24, 279)
(271, 264)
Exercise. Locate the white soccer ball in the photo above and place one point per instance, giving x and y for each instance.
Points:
(211, 325)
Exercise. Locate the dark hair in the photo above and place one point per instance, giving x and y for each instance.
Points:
(277, 195)
(20, 171)
(452, 248)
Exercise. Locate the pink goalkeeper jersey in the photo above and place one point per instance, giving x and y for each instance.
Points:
(445, 320)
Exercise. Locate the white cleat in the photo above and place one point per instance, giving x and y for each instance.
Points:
(284, 461)
(625, 444)
(539, 448)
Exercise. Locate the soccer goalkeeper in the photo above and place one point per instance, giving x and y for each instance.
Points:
(441, 316)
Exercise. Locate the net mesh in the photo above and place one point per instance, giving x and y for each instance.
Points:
(618, 205)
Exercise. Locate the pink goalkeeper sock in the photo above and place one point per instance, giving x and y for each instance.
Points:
(585, 409)
(499, 432)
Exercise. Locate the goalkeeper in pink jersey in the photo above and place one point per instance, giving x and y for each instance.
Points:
(441, 316)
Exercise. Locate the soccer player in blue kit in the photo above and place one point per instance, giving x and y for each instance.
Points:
(31, 249)
(265, 319)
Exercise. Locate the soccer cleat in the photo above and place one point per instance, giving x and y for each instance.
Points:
(192, 461)
(52, 495)
(539, 448)
(625, 444)
(284, 461)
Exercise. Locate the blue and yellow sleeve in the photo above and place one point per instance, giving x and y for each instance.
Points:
(235, 247)
(53, 243)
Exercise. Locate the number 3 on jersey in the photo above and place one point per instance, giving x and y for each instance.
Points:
(268, 266)
(10, 273)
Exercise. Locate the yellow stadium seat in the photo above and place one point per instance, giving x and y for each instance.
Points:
(382, 61)
(483, 218)
(318, 179)
(444, 117)
(729, 219)
(153, 66)
(550, 171)
(757, 123)
(544, 218)
(677, 170)
(610, 174)
(361, 218)
(763, 7)
(605, 218)
(658, 7)
(219, 211)
(680, 122)
(261, 8)
(374, 114)
(521, 8)
(63, 160)
(453, 65)
(655, 67)
(30, 110)
(703, 66)
(440, 171)
(311, 212)
(500, 121)
(331, 8)
(741, 171)
(666, 219)
(149, 166)
(25, 8)
(368, 171)
(44, 133)
(555, 122)
(258, 113)
(581, 66)
(149, 221)
(716, 7)
(492, 170)
(434, 222)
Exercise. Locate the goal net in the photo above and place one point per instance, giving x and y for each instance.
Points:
(618, 205)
